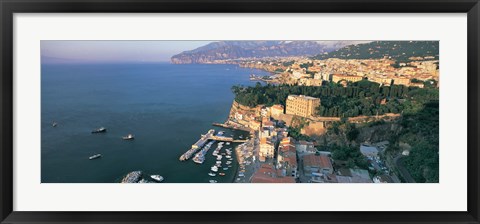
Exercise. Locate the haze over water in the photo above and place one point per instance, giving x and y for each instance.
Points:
(165, 106)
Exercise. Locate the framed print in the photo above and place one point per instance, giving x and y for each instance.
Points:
(247, 112)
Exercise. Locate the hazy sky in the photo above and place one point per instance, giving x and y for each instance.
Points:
(67, 51)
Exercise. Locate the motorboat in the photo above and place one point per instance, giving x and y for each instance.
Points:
(212, 174)
(96, 156)
(99, 130)
(158, 178)
(212, 181)
(214, 168)
(128, 137)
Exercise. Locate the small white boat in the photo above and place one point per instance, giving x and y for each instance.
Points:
(96, 156)
(225, 168)
(212, 181)
(54, 124)
(228, 143)
(214, 168)
(212, 174)
(157, 178)
(128, 137)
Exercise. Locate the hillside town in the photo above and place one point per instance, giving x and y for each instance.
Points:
(310, 72)
(277, 157)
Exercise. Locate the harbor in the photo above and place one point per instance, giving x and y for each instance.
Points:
(221, 165)
(204, 139)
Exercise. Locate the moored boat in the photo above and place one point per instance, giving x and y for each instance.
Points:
(99, 130)
(157, 178)
(128, 137)
(96, 156)
(132, 177)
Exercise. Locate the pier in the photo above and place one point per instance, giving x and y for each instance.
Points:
(204, 139)
(226, 139)
(230, 126)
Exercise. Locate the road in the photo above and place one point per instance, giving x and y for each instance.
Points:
(403, 171)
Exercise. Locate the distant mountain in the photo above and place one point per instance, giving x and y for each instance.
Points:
(222, 50)
(400, 51)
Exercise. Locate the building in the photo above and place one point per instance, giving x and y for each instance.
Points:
(305, 147)
(309, 82)
(381, 80)
(352, 78)
(255, 125)
(360, 176)
(304, 106)
(266, 133)
(267, 149)
(287, 157)
(239, 115)
(419, 85)
(317, 164)
(352, 176)
(276, 110)
(401, 81)
(369, 151)
(268, 174)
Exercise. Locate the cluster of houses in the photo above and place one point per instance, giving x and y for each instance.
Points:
(337, 70)
(283, 159)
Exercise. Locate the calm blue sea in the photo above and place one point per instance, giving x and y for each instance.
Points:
(165, 106)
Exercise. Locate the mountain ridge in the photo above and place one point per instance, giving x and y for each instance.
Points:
(224, 50)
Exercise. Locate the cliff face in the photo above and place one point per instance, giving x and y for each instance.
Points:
(224, 50)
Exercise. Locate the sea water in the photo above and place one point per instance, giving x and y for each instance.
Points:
(167, 107)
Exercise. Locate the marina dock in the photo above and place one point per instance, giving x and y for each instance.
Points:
(233, 127)
(199, 144)
(203, 140)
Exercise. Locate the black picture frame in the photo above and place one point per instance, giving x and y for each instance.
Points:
(9, 7)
